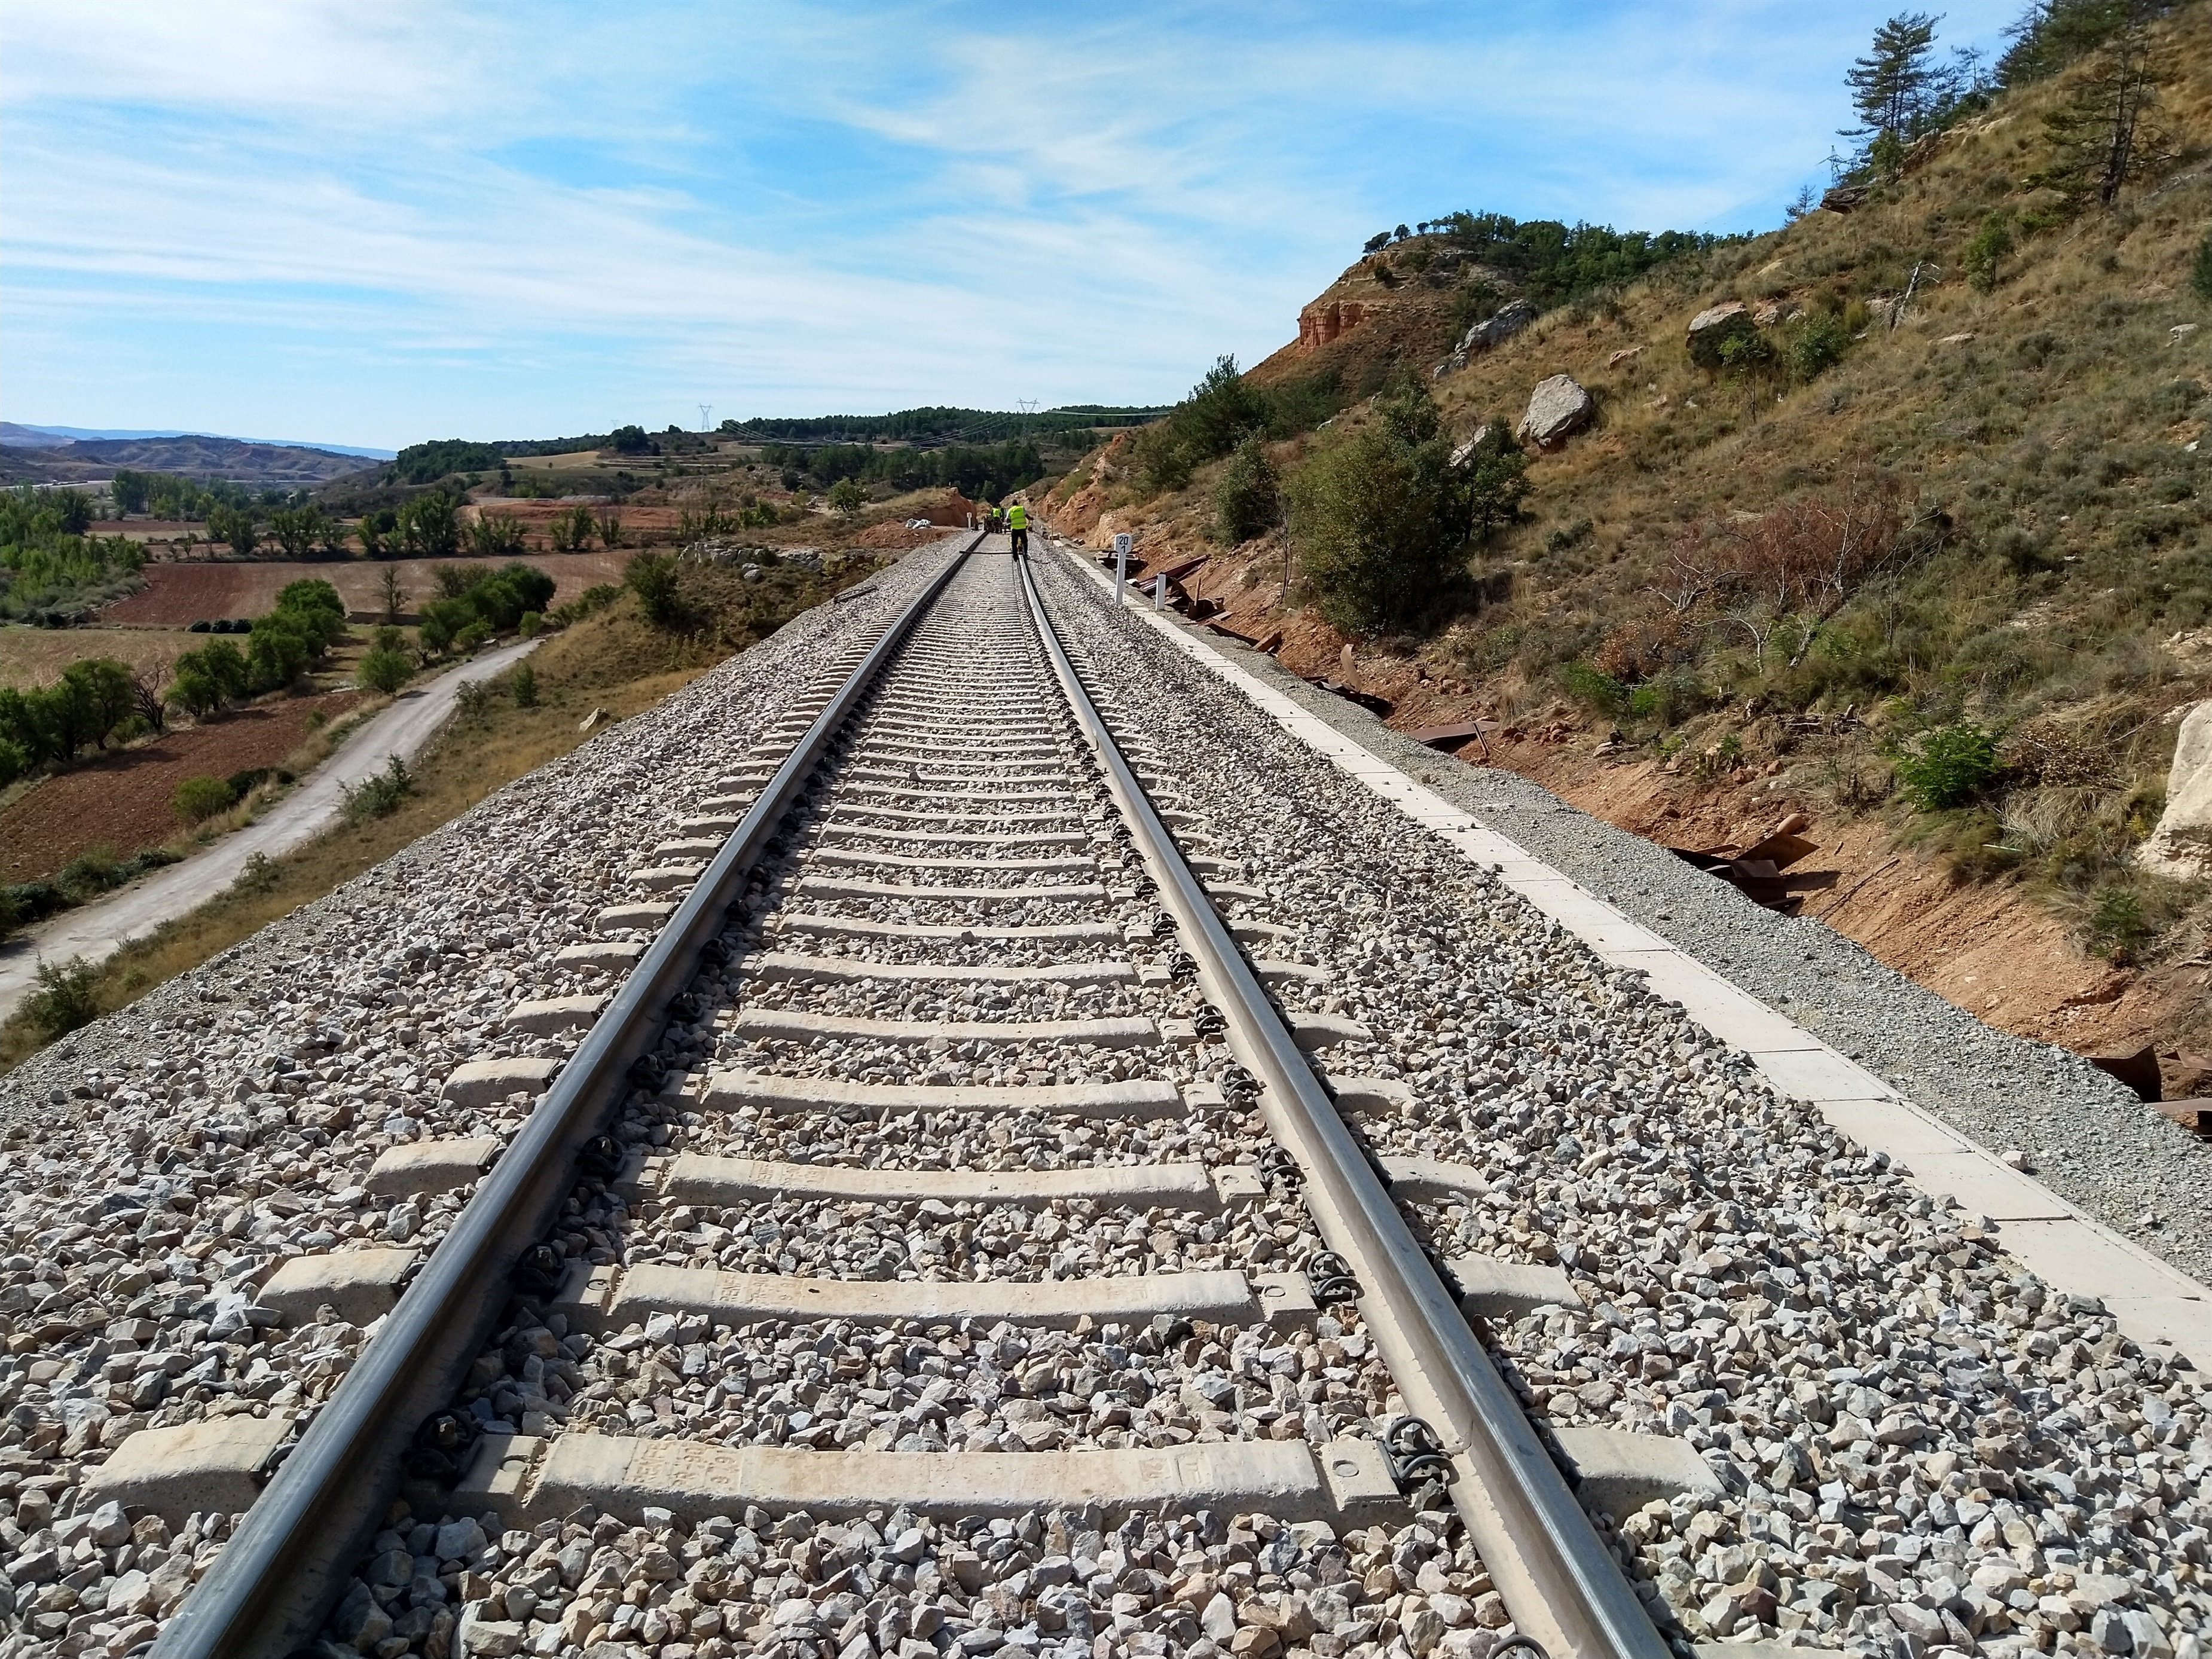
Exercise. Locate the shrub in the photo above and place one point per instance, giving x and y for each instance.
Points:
(1947, 766)
(1988, 249)
(846, 497)
(384, 671)
(198, 799)
(652, 577)
(1817, 345)
(1248, 500)
(2200, 271)
(2118, 929)
(472, 699)
(379, 795)
(532, 624)
(497, 536)
(522, 685)
(1381, 516)
(475, 634)
(1595, 687)
(65, 1001)
(572, 531)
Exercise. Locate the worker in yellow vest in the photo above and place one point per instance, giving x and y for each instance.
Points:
(1018, 526)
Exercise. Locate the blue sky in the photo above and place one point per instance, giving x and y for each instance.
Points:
(375, 221)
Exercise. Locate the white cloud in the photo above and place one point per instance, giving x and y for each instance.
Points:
(473, 216)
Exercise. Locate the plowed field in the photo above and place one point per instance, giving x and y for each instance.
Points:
(177, 595)
(121, 801)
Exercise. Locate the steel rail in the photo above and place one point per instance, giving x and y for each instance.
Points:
(282, 1570)
(1561, 1583)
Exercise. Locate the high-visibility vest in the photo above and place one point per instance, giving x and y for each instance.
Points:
(1018, 517)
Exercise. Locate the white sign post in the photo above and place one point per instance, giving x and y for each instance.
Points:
(1160, 590)
(1122, 545)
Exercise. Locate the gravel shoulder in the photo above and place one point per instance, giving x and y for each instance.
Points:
(2085, 1137)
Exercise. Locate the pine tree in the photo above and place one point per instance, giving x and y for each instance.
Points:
(1896, 87)
(2103, 135)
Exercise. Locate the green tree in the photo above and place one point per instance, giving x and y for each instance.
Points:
(522, 685)
(611, 528)
(1894, 87)
(236, 525)
(1381, 515)
(298, 529)
(277, 652)
(2200, 271)
(130, 489)
(497, 536)
(571, 532)
(92, 699)
(2102, 133)
(1247, 501)
(429, 528)
(384, 671)
(67, 999)
(846, 496)
(211, 678)
(315, 610)
(1496, 470)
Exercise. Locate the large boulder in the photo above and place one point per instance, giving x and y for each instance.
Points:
(1558, 409)
(1716, 325)
(1498, 327)
(2181, 846)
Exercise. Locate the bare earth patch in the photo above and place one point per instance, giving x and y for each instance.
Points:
(121, 801)
(36, 656)
(176, 595)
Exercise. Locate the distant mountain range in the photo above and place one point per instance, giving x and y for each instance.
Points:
(14, 435)
(93, 460)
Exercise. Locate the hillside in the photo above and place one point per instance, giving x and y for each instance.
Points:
(2005, 389)
(201, 457)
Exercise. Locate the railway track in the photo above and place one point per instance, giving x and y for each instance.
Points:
(964, 1184)
(1016, 1160)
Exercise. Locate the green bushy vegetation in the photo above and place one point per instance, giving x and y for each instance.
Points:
(442, 458)
(198, 799)
(979, 471)
(93, 702)
(51, 572)
(1247, 499)
(296, 634)
(1550, 262)
(1382, 515)
(379, 795)
(168, 496)
(476, 603)
(1934, 539)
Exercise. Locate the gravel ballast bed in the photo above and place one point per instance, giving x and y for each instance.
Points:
(158, 1164)
(1916, 1437)
(2088, 1137)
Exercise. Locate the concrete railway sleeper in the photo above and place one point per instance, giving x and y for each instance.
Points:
(949, 1270)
